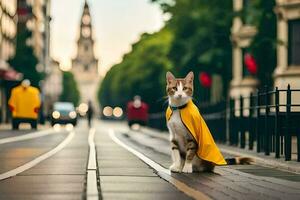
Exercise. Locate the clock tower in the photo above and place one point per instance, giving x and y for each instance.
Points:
(85, 65)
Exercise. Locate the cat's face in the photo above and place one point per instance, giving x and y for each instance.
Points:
(179, 90)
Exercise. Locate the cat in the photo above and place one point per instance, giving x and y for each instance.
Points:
(183, 144)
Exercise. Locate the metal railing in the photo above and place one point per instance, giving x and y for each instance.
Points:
(265, 121)
(270, 119)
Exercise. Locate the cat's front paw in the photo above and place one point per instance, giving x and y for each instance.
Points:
(175, 168)
(188, 168)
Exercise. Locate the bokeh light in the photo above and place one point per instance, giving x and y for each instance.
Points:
(107, 111)
(118, 112)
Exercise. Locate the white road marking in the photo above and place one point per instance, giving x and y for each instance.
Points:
(39, 159)
(92, 188)
(27, 136)
(161, 171)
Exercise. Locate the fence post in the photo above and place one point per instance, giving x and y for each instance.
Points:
(258, 138)
(230, 122)
(250, 120)
(242, 123)
(232, 125)
(267, 131)
(277, 127)
(287, 138)
(298, 147)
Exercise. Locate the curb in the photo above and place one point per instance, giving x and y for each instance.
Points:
(266, 162)
(263, 161)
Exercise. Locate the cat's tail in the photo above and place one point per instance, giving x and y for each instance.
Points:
(239, 161)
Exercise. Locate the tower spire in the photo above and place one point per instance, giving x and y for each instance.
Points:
(85, 63)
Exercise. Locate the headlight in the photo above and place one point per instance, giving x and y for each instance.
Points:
(117, 112)
(72, 115)
(55, 114)
(107, 111)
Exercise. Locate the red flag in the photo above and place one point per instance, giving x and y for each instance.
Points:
(205, 79)
(250, 63)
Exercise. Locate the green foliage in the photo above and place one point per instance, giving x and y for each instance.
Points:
(201, 40)
(142, 72)
(196, 38)
(24, 60)
(251, 12)
(70, 90)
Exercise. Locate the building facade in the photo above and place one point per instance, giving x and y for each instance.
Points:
(288, 49)
(85, 64)
(35, 16)
(242, 34)
(287, 71)
(8, 30)
(52, 86)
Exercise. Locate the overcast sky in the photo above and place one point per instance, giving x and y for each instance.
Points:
(117, 24)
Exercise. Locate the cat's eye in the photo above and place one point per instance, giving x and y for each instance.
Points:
(174, 88)
(185, 88)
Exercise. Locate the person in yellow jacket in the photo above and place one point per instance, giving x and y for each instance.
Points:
(24, 104)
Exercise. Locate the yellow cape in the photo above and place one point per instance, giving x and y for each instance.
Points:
(193, 121)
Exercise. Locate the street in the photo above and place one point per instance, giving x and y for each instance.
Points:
(58, 164)
(89, 93)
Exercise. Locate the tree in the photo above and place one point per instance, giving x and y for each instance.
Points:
(142, 72)
(70, 90)
(25, 60)
(201, 40)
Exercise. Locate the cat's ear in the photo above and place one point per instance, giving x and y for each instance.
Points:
(170, 77)
(190, 77)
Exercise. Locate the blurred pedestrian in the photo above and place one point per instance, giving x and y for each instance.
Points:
(24, 104)
(90, 113)
(137, 111)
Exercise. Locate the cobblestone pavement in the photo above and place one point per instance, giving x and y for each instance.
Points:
(55, 164)
(228, 182)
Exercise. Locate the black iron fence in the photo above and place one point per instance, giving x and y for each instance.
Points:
(270, 119)
(267, 121)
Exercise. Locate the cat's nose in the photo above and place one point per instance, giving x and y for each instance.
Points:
(180, 95)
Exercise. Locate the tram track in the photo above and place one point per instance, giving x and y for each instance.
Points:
(92, 180)
(161, 171)
(28, 136)
(37, 160)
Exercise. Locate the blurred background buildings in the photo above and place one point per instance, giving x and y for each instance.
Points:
(8, 31)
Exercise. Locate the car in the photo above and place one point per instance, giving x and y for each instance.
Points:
(63, 113)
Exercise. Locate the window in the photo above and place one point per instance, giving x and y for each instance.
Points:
(294, 42)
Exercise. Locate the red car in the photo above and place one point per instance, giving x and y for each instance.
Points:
(137, 112)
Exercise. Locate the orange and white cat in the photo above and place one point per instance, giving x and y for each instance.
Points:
(183, 144)
(180, 91)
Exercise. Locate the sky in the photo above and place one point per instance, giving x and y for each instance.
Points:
(116, 25)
